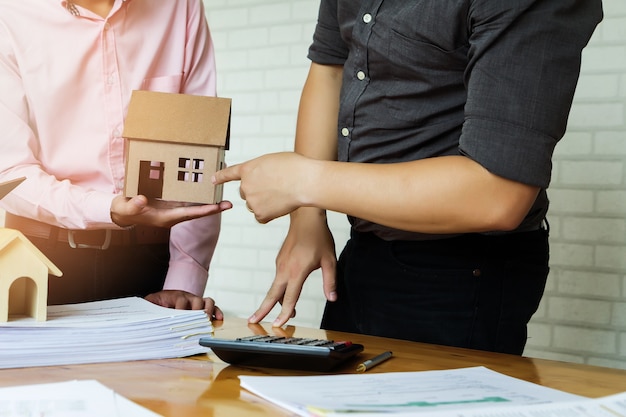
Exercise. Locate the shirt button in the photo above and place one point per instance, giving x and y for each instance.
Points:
(107, 26)
(345, 132)
(120, 185)
(367, 17)
(360, 75)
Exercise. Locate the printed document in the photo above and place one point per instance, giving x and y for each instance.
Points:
(466, 392)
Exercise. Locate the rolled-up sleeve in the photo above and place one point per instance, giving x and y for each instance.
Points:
(524, 64)
(192, 245)
(328, 47)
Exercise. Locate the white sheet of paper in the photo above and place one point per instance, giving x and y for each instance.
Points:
(87, 398)
(117, 312)
(403, 393)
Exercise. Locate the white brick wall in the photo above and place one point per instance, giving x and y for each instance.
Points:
(261, 56)
(583, 313)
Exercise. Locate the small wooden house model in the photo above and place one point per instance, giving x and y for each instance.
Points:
(175, 143)
(24, 273)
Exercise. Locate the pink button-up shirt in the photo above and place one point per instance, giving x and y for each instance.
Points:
(65, 84)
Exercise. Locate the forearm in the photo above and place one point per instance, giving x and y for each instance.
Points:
(316, 130)
(438, 195)
(43, 197)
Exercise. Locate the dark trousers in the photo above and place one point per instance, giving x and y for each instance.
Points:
(474, 291)
(94, 274)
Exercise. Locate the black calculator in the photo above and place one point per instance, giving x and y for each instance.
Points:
(282, 352)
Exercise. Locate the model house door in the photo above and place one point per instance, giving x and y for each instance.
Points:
(151, 179)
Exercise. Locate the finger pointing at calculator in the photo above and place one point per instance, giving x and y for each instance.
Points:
(274, 185)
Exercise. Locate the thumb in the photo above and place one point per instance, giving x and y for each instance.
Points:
(136, 204)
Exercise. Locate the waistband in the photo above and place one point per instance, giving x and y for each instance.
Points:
(88, 239)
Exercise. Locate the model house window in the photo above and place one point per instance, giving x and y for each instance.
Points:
(156, 170)
(190, 169)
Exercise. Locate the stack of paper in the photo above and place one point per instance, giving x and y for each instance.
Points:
(103, 331)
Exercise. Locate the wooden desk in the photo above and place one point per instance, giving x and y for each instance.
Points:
(205, 386)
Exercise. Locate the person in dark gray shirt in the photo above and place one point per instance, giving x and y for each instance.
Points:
(432, 125)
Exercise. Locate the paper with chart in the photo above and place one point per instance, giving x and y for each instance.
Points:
(122, 329)
(610, 406)
(68, 399)
(461, 393)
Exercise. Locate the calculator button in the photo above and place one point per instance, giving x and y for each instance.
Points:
(286, 340)
(270, 339)
(341, 345)
(320, 342)
(304, 341)
(251, 338)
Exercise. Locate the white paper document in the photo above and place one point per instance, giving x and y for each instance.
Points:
(87, 398)
(122, 329)
(467, 392)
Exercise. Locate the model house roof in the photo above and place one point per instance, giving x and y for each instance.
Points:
(9, 236)
(178, 118)
(6, 187)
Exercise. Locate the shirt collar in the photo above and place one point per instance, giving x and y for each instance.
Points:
(71, 8)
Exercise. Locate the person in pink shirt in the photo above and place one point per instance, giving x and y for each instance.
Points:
(67, 70)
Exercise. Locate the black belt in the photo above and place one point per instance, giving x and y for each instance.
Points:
(88, 239)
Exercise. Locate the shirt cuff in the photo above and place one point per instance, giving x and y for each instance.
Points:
(98, 210)
(186, 277)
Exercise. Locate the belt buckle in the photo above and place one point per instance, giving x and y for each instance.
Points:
(74, 245)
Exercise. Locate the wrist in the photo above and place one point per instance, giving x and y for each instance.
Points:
(311, 186)
(120, 224)
(117, 219)
(312, 213)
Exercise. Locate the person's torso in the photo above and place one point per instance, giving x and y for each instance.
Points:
(78, 73)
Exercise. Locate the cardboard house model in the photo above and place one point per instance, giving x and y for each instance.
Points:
(24, 272)
(175, 143)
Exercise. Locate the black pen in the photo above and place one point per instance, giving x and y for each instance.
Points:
(370, 363)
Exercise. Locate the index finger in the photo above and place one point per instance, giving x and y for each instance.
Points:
(231, 173)
(288, 306)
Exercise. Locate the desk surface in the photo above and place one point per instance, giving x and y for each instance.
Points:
(205, 386)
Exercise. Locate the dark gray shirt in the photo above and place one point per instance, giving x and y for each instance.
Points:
(489, 79)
